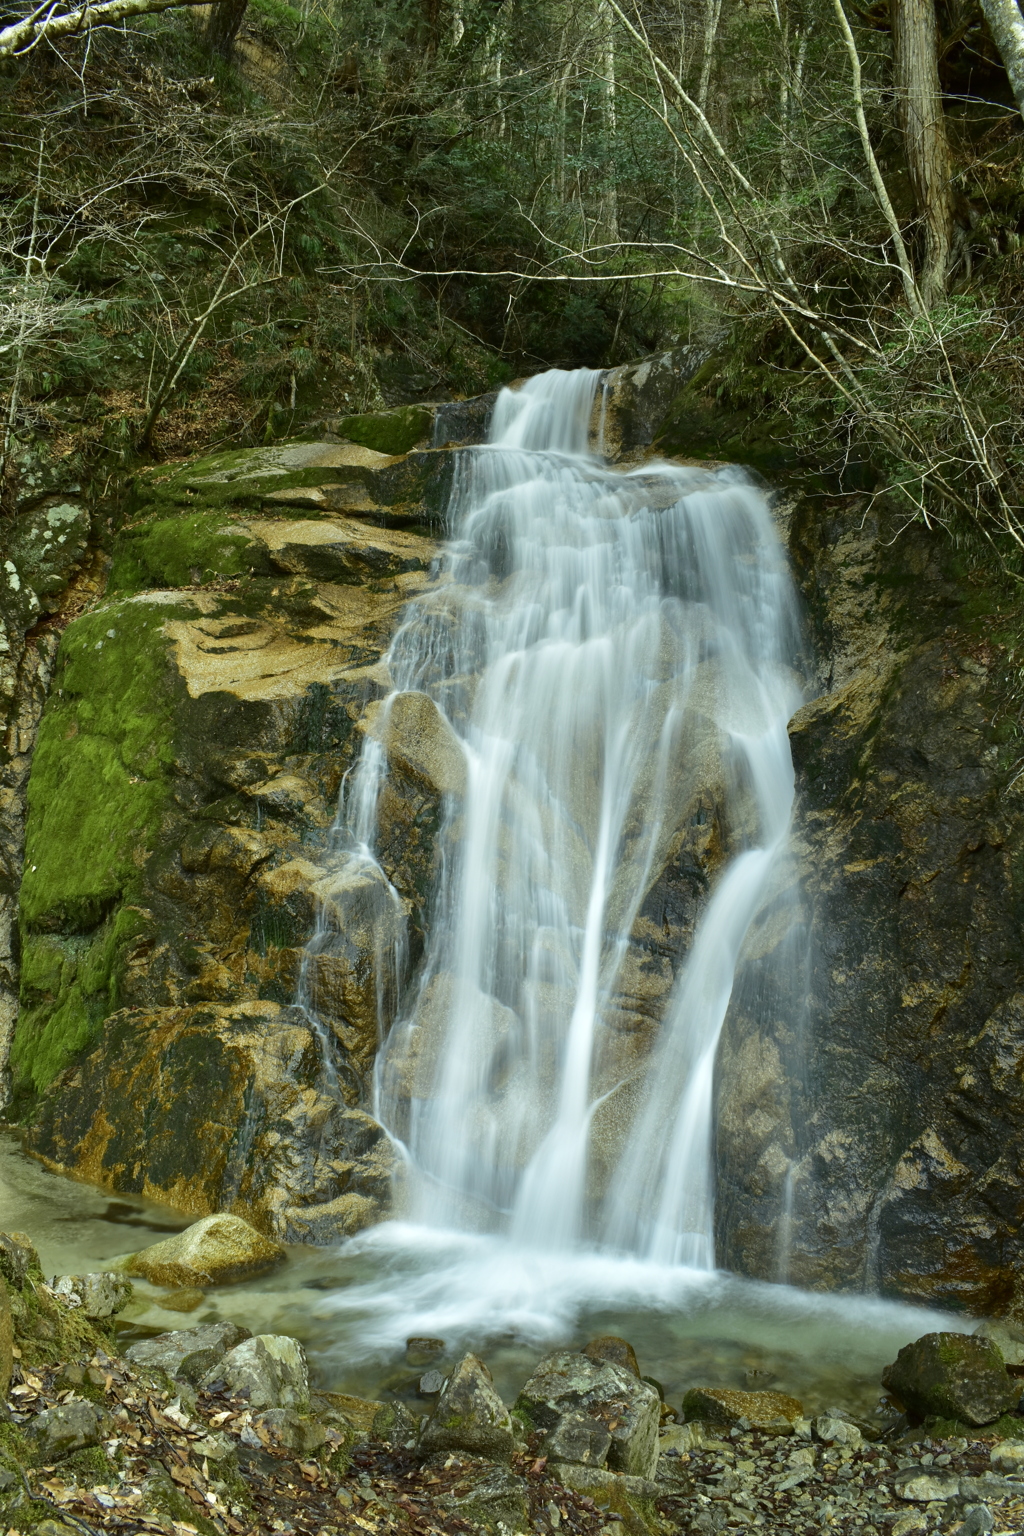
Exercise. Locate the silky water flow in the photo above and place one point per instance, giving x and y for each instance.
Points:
(610, 657)
(599, 681)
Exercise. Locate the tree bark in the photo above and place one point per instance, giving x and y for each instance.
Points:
(916, 60)
(223, 24)
(1006, 24)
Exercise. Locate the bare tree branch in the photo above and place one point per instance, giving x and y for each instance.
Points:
(51, 20)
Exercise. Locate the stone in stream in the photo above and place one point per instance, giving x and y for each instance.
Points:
(773, 1412)
(423, 1351)
(99, 1295)
(610, 1347)
(189, 1353)
(835, 1431)
(953, 1376)
(217, 1250)
(57, 1432)
(269, 1369)
(469, 1415)
(567, 1387)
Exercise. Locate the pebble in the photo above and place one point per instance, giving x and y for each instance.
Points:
(763, 1483)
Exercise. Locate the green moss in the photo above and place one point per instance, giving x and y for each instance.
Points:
(19, 1513)
(13, 1450)
(392, 432)
(181, 551)
(100, 773)
(98, 792)
(160, 1497)
(88, 1467)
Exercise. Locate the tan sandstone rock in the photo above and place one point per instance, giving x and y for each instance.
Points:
(215, 1251)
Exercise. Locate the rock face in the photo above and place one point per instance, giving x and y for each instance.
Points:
(594, 1412)
(208, 684)
(469, 1415)
(869, 1094)
(954, 1376)
(237, 1114)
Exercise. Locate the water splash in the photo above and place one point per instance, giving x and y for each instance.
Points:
(613, 653)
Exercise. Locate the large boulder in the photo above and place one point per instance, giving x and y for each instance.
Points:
(469, 1415)
(215, 1251)
(269, 1370)
(953, 1376)
(575, 1402)
(187, 1353)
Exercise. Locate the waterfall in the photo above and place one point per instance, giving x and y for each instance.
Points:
(613, 653)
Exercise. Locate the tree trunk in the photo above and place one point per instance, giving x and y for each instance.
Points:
(1006, 24)
(222, 27)
(915, 49)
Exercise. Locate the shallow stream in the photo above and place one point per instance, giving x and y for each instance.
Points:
(354, 1307)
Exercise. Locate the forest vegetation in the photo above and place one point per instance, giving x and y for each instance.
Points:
(218, 222)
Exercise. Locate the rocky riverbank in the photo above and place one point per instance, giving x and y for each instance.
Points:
(207, 1431)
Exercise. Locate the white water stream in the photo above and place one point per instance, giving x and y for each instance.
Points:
(613, 653)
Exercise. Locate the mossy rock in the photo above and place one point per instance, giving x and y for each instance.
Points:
(184, 551)
(88, 1467)
(99, 791)
(393, 432)
(161, 1497)
(47, 1332)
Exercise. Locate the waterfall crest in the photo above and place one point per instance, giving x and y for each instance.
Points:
(612, 655)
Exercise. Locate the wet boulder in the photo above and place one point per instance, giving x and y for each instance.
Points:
(57, 1432)
(270, 1370)
(772, 1412)
(568, 1389)
(610, 1347)
(953, 1376)
(469, 1415)
(215, 1251)
(189, 1353)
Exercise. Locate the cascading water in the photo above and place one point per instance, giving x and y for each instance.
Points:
(613, 653)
